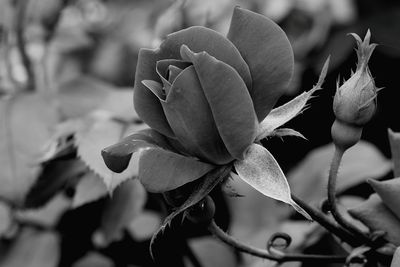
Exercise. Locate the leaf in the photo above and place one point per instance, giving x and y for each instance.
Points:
(394, 140)
(26, 122)
(260, 170)
(94, 259)
(89, 188)
(47, 215)
(125, 204)
(281, 115)
(201, 189)
(309, 178)
(389, 191)
(54, 177)
(396, 258)
(374, 214)
(79, 97)
(33, 248)
(99, 134)
(281, 132)
(5, 218)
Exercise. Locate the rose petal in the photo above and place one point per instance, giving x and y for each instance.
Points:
(146, 104)
(162, 68)
(203, 39)
(162, 170)
(229, 101)
(267, 51)
(118, 156)
(155, 87)
(173, 73)
(191, 120)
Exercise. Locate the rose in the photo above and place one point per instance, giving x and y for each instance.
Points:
(205, 98)
(207, 93)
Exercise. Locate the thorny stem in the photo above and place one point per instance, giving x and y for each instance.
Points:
(19, 30)
(262, 253)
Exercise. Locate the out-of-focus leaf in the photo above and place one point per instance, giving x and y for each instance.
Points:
(53, 178)
(89, 188)
(394, 140)
(211, 252)
(201, 189)
(26, 123)
(374, 214)
(144, 225)
(99, 134)
(280, 115)
(396, 258)
(47, 215)
(81, 96)
(94, 260)
(260, 170)
(361, 162)
(170, 20)
(389, 191)
(33, 249)
(126, 203)
(5, 218)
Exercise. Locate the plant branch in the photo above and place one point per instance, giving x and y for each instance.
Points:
(328, 224)
(332, 203)
(20, 30)
(262, 253)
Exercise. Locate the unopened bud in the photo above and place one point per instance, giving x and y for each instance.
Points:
(355, 100)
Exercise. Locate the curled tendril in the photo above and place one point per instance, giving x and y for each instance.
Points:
(276, 247)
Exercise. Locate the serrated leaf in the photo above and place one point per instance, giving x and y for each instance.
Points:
(99, 134)
(201, 189)
(260, 170)
(54, 177)
(81, 96)
(394, 140)
(125, 204)
(89, 188)
(281, 115)
(363, 161)
(389, 191)
(26, 122)
(374, 214)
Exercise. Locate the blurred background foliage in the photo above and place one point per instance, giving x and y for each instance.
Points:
(82, 56)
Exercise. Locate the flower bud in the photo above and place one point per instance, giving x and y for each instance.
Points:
(355, 101)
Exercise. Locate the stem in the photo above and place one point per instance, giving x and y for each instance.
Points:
(328, 224)
(284, 257)
(20, 29)
(333, 172)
